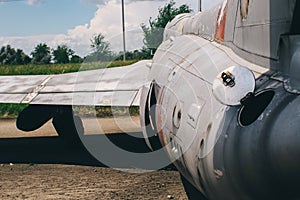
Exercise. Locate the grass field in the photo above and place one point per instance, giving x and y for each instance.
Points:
(58, 68)
(12, 110)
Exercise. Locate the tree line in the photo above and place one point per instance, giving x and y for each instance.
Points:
(101, 51)
(62, 54)
(42, 54)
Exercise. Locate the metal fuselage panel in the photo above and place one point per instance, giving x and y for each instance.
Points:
(206, 140)
(189, 118)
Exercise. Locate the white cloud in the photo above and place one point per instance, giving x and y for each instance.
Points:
(107, 20)
(101, 2)
(26, 43)
(32, 2)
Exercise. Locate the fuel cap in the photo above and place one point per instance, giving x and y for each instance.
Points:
(233, 84)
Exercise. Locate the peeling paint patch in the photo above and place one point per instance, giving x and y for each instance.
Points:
(222, 12)
(221, 22)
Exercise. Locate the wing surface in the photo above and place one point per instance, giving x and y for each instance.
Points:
(119, 86)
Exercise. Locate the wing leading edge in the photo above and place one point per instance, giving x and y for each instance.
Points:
(119, 86)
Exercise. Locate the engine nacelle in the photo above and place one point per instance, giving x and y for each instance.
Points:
(247, 148)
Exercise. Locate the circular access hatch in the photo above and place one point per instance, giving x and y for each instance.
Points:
(233, 84)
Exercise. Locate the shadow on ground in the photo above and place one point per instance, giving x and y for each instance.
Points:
(56, 150)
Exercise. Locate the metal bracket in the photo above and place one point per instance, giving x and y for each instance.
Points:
(29, 97)
(228, 79)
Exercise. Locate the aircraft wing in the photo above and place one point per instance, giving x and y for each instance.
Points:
(119, 86)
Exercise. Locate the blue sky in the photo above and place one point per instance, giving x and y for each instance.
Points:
(45, 17)
(24, 24)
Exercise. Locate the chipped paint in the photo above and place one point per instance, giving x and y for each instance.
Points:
(221, 22)
(222, 13)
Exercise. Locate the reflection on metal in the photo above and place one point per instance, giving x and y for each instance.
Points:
(243, 83)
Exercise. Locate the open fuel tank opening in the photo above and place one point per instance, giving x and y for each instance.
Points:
(253, 105)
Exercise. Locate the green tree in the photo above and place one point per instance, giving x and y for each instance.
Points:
(76, 59)
(7, 55)
(142, 54)
(21, 58)
(10, 56)
(41, 54)
(101, 49)
(153, 34)
(62, 54)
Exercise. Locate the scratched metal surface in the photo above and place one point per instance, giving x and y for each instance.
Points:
(108, 87)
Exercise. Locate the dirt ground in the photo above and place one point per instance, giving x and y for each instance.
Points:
(28, 181)
(78, 182)
(91, 125)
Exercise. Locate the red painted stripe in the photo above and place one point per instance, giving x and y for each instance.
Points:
(220, 27)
